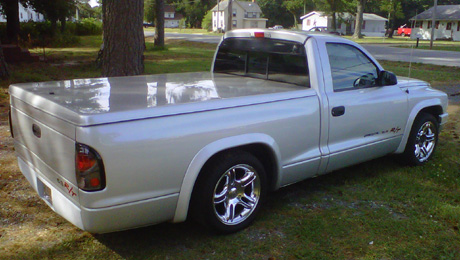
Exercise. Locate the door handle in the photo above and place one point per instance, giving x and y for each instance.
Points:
(338, 111)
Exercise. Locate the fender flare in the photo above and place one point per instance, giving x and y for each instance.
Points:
(206, 153)
(410, 121)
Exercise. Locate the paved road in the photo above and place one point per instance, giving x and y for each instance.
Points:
(384, 52)
(379, 51)
(189, 37)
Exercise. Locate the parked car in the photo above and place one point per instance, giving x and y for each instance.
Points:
(146, 25)
(277, 107)
(323, 29)
(404, 31)
(276, 27)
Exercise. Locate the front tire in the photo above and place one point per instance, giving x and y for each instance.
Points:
(423, 140)
(230, 192)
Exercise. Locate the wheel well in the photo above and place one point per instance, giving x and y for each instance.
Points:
(434, 110)
(262, 152)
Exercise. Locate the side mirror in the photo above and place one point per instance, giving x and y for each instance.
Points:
(387, 78)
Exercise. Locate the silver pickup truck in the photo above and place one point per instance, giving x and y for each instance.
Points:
(278, 107)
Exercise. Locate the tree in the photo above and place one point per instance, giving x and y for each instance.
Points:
(394, 10)
(4, 73)
(54, 11)
(159, 23)
(85, 10)
(193, 10)
(277, 12)
(359, 19)
(124, 42)
(149, 11)
(332, 8)
(294, 7)
(11, 11)
(207, 21)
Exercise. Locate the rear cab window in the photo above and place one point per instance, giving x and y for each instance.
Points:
(264, 58)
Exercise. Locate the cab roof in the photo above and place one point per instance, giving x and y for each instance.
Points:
(291, 35)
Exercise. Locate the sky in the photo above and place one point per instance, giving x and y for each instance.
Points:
(93, 3)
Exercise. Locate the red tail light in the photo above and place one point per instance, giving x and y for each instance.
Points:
(259, 34)
(89, 169)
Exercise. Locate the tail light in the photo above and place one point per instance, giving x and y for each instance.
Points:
(89, 168)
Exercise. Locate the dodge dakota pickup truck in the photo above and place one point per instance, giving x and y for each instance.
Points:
(277, 107)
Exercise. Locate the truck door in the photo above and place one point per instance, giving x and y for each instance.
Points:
(365, 120)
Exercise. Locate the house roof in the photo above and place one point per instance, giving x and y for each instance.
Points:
(247, 6)
(177, 16)
(443, 12)
(346, 16)
(170, 9)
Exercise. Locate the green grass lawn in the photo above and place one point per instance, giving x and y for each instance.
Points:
(376, 210)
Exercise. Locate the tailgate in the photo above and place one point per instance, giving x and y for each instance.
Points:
(46, 144)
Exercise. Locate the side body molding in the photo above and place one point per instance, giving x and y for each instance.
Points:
(211, 149)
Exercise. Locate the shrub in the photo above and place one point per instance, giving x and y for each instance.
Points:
(88, 26)
(207, 21)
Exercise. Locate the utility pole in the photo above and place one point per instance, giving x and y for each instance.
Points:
(230, 17)
(218, 11)
(433, 23)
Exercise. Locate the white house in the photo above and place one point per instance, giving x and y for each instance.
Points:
(373, 25)
(447, 25)
(172, 19)
(26, 15)
(245, 14)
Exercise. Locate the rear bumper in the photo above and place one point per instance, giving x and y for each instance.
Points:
(101, 220)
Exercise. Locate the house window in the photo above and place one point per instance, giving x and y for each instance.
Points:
(308, 22)
(214, 14)
(449, 26)
(429, 25)
(21, 15)
(234, 12)
(234, 24)
(437, 24)
(215, 24)
(251, 15)
(418, 24)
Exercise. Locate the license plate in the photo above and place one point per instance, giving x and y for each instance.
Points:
(47, 194)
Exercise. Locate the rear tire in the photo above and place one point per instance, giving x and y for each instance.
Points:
(422, 141)
(229, 192)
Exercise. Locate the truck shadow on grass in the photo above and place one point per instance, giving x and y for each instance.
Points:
(277, 223)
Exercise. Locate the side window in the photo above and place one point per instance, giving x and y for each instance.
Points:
(350, 68)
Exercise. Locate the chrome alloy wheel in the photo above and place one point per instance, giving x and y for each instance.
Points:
(236, 194)
(425, 141)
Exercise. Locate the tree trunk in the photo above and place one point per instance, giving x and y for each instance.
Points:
(159, 37)
(63, 24)
(4, 73)
(359, 19)
(123, 36)
(334, 21)
(11, 9)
